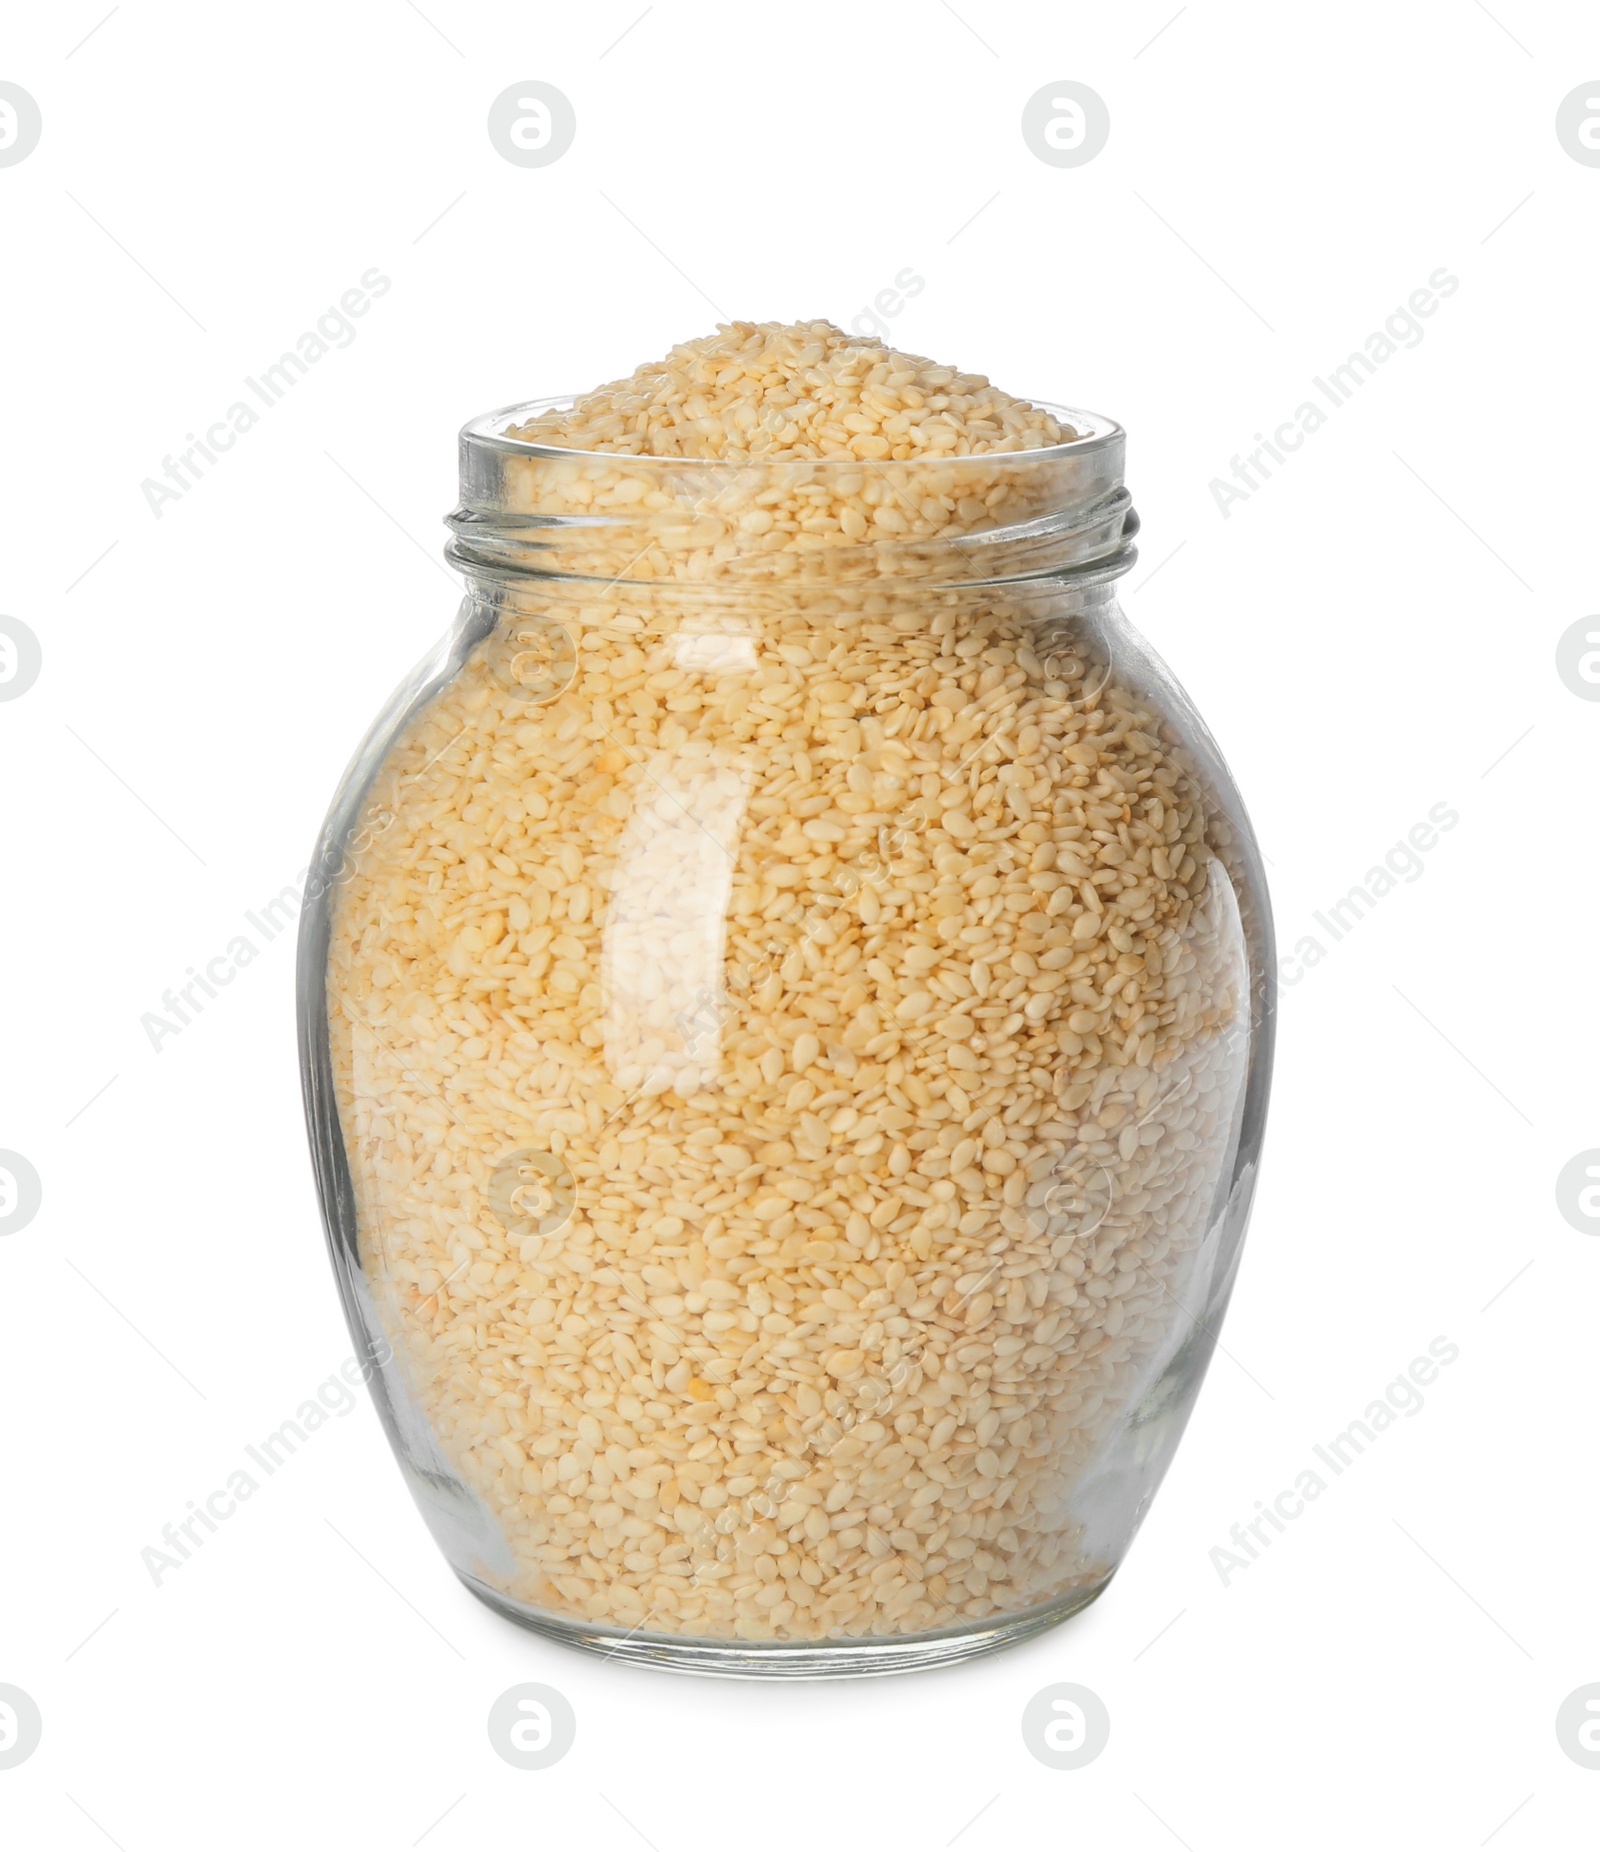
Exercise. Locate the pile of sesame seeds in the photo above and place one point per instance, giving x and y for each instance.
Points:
(800, 389)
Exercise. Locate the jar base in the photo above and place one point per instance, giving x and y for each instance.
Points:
(877, 1657)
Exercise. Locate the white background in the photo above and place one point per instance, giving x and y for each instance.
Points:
(1371, 633)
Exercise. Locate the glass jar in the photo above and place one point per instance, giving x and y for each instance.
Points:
(785, 1007)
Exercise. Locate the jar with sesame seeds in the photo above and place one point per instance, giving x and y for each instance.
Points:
(785, 1017)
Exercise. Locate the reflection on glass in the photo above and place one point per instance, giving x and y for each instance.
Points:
(661, 960)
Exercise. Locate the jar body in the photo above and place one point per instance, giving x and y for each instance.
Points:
(786, 1071)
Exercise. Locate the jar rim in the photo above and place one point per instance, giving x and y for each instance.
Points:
(612, 515)
(1096, 431)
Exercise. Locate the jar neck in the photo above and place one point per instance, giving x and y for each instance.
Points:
(535, 624)
(533, 511)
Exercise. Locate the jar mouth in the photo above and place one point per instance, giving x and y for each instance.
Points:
(548, 510)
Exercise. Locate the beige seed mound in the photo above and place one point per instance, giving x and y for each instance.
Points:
(797, 389)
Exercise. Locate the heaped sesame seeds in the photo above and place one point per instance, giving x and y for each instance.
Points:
(800, 389)
(856, 958)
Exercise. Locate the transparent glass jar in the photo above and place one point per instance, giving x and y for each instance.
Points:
(785, 1011)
